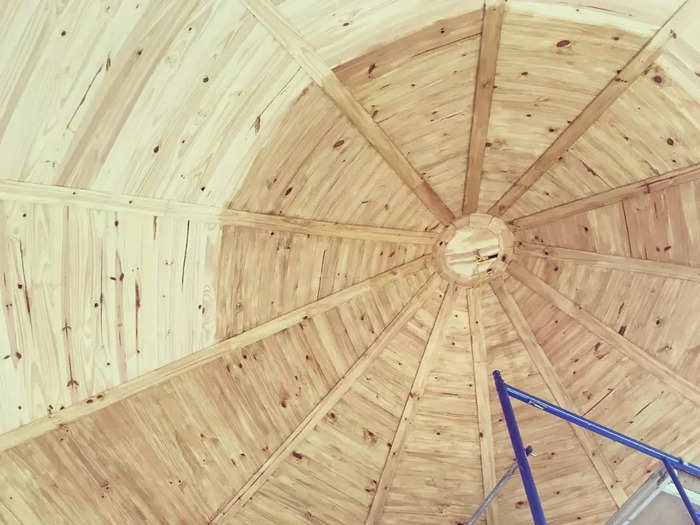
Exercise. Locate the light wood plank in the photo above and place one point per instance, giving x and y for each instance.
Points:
(129, 388)
(483, 93)
(322, 74)
(636, 354)
(482, 382)
(269, 467)
(610, 262)
(61, 195)
(605, 198)
(410, 408)
(592, 112)
(549, 375)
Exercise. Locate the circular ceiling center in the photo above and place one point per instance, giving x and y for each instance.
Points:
(473, 248)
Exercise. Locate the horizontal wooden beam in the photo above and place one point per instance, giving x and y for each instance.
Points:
(61, 195)
(639, 63)
(610, 262)
(482, 384)
(483, 93)
(232, 506)
(410, 407)
(561, 396)
(134, 386)
(322, 74)
(634, 353)
(606, 198)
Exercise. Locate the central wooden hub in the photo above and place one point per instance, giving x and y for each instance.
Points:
(473, 248)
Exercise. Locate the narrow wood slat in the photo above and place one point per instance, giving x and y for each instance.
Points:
(483, 93)
(322, 74)
(61, 195)
(482, 383)
(129, 388)
(608, 335)
(549, 375)
(610, 262)
(409, 411)
(267, 469)
(644, 58)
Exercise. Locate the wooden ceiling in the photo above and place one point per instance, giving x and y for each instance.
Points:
(217, 220)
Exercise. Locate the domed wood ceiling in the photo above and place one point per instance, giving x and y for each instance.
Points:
(259, 259)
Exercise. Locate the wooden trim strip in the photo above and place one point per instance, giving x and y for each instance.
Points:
(606, 198)
(642, 60)
(60, 195)
(549, 375)
(483, 93)
(267, 469)
(138, 384)
(634, 353)
(322, 74)
(610, 262)
(410, 408)
(482, 384)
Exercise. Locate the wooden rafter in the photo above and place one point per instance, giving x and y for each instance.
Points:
(71, 413)
(232, 506)
(483, 93)
(61, 195)
(409, 411)
(482, 381)
(549, 375)
(322, 74)
(611, 262)
(642, 60)
(636, 354)
(605, 198)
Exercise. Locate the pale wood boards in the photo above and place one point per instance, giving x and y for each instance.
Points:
(561, 396)
(195, 360)
(410, 407)
(612, 262)
(481, 111)
(48, 194)
(321, 73)
(482, 381)
(267, 469)
(612, 196)
(591, 113)
(636, 354)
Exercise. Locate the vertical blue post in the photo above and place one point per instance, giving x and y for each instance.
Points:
(684, 495)
(516, 440)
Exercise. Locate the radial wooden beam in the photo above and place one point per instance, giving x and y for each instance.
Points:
(134, 386)
(61, 195)
(409, 411)
(636, 354)
(482, 382)
(549, 375)
(232, 506)
(644, 58)
(610, 262)
(605, 198)
(483, 93)
(322, 74)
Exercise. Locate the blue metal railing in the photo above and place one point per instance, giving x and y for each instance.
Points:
(505, 392)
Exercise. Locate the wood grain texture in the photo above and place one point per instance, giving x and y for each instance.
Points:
(642, 358)
(321, 73)
(561, 396)
(483, 93)
(591, 113)
(414, 397)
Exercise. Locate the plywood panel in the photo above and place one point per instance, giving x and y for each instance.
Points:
(339, 465)
(570, 488)
(419, 89)
(544, 78)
